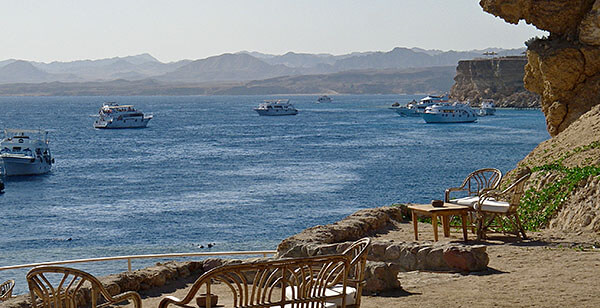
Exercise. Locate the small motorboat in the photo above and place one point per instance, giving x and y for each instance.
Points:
(324, 99)
(487, 108)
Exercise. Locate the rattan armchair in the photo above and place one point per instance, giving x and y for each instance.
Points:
(63, 287)
(495, 206)
(473, 185)
(358, 253)
(6, 289)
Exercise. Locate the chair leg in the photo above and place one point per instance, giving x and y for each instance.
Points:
(480, 233)
(520, 226)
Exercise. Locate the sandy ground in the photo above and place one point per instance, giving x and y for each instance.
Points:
(544, 271)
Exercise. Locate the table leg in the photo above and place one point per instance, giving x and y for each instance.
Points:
(434, 223)
(446, 225)
(464, 226)
(414, 219)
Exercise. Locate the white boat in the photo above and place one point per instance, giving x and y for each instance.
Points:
(113, 115)
(276, 107)
(449, 113)
(324, 99)
(415, 109)
(487, 108)
(25, 152)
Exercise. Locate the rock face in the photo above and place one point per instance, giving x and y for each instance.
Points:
(565, 67)
(500, 79)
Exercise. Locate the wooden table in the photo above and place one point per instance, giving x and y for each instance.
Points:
(445, 211)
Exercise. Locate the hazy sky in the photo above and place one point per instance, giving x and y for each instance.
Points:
(171, 30)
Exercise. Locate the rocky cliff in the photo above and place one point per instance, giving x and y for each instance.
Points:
(500, 79)
(563, 68)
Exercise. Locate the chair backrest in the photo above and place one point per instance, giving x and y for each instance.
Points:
(514, 192)
(6, 289)
(263, 284)
(479, 179)
(358, 253)
(63, 287)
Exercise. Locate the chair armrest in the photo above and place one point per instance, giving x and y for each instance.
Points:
(134, 296)
(488, 193)
(169, 300)
(451, 189)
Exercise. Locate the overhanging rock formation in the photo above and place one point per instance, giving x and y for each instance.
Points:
(565, 67)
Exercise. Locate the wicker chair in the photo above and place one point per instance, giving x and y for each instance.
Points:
(477, 181)
(72, 289)
(494, 207)
(265, 284)
(6, 289)
(358, 253)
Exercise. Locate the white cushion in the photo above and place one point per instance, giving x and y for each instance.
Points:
(494, 206)
(290, 291)
(468, 201)
(327, 305)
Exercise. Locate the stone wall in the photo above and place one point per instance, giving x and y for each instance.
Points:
(499, 79)
(386, 258)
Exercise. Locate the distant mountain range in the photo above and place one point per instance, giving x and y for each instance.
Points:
(414, 80)
(242, 67)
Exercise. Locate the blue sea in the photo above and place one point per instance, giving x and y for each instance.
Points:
(208, 169)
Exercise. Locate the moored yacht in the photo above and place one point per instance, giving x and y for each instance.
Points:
(276, 107)
(415, 109)
(113, 115)
(487, 108)
(449, 113)
(324, 99)
(25, 152)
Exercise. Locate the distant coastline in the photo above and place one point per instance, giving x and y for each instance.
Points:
(390, 81)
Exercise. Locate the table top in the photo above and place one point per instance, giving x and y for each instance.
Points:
(430, 208)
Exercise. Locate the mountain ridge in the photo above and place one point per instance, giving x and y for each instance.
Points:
(234, 67)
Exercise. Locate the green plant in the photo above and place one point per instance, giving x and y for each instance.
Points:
(538, 207)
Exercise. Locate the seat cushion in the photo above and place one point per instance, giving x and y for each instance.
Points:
(494, 206)
(333, 291)
(327, 305)
(467, 201)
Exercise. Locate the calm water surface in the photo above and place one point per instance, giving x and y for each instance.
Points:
(209, 169)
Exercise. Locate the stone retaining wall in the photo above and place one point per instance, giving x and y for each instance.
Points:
(386, 258)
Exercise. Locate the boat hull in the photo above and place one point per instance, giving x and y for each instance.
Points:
(24, 166)
(406, 112)
(440, 118)
(127, 123)
(276, 112)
